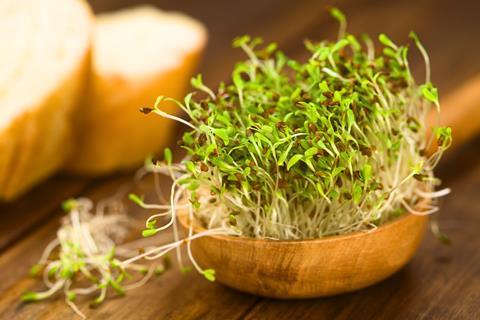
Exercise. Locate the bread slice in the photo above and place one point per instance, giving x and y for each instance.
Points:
(44, 57)
(138, 54)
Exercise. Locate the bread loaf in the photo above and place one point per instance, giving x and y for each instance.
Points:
(43, 59)
(138, 54)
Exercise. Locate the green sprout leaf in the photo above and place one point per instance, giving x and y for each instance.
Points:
(430, 93)
(444, 136)
(149, 232)
(209, 274)
(367, 172)
(293, 160)
(117, 287)
(223, 134)
(241, 41)
(337, 14)
(197, 82)
(35, 270)
(386, 41)
(151, 224)
(357, 193)
(167, 153)
(71, 296)
(30, 296)
(136, 199)
(311, 152)
(69, 204)
(350, 118)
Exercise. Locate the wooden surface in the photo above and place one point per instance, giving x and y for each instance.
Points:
(442, 282)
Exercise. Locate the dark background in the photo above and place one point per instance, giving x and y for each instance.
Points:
(442, 282)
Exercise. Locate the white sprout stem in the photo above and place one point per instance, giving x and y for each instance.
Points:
(57, 286)
(172, 117)
(332, 73)
(189, 243)
(141, 282)
(48, 250)
(370, 48)
(72, 305)
(85, 291)
(433, 195)
(419, 213)
(75, 309)
(160, 207)
(174, 198)
(166, 248)
(427, 60)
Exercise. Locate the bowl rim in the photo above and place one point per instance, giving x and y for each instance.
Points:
(182, 217)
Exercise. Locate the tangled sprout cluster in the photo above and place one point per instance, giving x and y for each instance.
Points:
(84, 258)
(299, 150)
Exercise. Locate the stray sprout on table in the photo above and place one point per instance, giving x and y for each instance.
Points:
(84, 260)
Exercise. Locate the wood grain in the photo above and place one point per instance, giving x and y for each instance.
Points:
(20, 216)
(440, 283)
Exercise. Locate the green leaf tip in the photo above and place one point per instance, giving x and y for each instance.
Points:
(30, 296)
(69, 204)
(197, 81)
(430, 93)
(71, 296)
(293, 160)
(386, 41)
(240, 41)
(223, 134)
(209, 274)
(337, 14)
(444, 136)
(151, 224)
(35, 270)
(412, 35)
(135, 199)
(117, 287)
(149, 232)
(167, 153)
(96, 302)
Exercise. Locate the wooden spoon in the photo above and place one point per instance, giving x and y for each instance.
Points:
(333, 265)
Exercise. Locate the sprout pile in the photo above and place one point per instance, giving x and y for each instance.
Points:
(84, 260)
(302, 150)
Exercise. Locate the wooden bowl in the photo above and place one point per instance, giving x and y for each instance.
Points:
(311, 268)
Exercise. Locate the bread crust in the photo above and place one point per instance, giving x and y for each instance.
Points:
(38, 142)
(111, 134)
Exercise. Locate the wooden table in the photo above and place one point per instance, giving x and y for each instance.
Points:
(442, 282)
